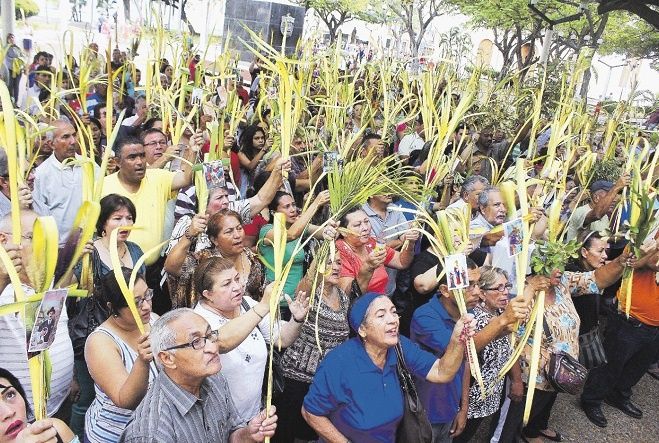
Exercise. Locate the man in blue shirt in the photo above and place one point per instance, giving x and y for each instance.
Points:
(432, 326)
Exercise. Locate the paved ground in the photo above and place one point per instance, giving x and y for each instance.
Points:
(570, 420)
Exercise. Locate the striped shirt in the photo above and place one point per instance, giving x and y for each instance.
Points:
(104, 421)
(13, 353)
(169, 413)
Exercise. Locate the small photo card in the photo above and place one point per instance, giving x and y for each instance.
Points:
(45, 321)
(214, 174)
(456, 271)
(513, 231)
(330, 161)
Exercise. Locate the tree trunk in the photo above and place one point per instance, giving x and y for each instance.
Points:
(184, 17)
(127, 9)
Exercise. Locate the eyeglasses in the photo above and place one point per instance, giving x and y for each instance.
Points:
(500, 288)
(27, 237)
(199, 342)
(156, 143)
(148, 296)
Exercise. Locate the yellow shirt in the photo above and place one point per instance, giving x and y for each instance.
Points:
(150, 204)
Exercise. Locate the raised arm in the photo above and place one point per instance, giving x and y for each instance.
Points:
(446, 367)
(125, 389)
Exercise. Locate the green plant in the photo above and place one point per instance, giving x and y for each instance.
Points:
(553, 255)
(606, 169)
(28, 8)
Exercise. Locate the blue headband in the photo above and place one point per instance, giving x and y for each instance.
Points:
(358, 309)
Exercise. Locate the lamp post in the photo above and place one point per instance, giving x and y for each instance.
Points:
(608, 77)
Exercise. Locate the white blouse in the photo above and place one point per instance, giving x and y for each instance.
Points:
(244, 366)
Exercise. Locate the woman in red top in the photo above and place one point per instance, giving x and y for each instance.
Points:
(361, 257)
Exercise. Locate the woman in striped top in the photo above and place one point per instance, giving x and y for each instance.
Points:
(120, 361)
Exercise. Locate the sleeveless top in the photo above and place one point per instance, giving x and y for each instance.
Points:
(301, 359)
(105, 422)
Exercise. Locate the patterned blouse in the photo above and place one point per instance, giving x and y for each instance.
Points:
(563, 322)
(181, 288)
(492, 358)
(301, 359)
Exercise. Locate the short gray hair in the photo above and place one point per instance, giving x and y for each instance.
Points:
(162, 336)
(470, 183)
(489, 275)
(484, 197)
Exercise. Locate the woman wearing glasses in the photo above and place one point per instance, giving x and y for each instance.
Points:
(220, 289)
(493, 317)
(119, 359)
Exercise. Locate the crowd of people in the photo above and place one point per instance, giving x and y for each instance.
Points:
(193, 365)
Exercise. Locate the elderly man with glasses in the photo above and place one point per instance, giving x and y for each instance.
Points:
(189, 401)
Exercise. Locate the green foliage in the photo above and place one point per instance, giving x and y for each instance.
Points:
(628, 35)
(608, 170)
(29, 8)
(548, 256)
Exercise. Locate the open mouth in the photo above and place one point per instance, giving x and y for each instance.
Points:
(392, 332)
(14, 428)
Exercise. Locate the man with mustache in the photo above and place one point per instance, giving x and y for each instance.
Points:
(492, 213)
(189, 401)
(149, 190)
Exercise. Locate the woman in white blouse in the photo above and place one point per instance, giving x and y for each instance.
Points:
(220, 290)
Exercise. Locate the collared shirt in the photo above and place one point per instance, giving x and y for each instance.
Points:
(150, 201)
(499, 252)
(364, 402)
(393, 223)
(168, 413)
(59, 188)
(410, 143)
(459, 204)
(37, 206)
(577, 220)
(432, 328)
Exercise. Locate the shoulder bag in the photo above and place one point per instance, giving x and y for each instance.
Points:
(563, 371)
(414, 426)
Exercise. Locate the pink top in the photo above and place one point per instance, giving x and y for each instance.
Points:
(351, 264)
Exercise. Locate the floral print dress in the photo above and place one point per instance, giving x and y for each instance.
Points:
(563, 322)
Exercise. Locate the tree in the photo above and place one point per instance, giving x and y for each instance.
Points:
(574, 37)
(26, 8)
(176, 4)
(632, 37)
(513, 26)
(646, 10)
(416, 16)
(334, 13)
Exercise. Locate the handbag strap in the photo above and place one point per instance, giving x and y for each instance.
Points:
(404, 376)
(545, 327)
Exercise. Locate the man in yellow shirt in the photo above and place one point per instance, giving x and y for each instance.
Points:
(149, 190)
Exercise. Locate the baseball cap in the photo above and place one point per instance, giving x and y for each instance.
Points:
(601, 185)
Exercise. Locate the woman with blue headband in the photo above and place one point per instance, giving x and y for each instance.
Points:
(356, 395)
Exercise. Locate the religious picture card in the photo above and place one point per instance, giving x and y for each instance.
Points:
(513, 231)
(456, 271)
(46, 318)
(214, 174)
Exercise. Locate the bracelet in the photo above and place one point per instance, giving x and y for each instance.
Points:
(257, 314)
(188, 235)
(296, 320)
